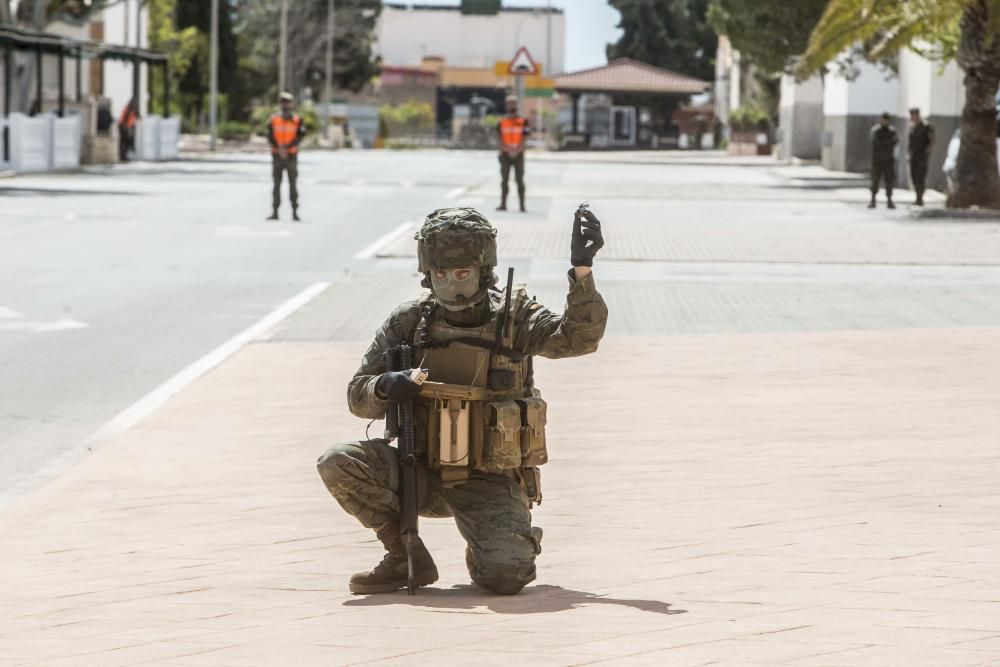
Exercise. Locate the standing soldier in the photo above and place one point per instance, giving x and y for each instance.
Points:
(884, 139)
(127, 121)
(919, 145)
(284, 131)
(513, 130)
(482, 470)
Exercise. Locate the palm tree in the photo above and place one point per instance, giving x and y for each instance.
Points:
(965, 30)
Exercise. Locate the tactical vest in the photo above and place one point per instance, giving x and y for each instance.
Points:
(285, 130)
(483, 410)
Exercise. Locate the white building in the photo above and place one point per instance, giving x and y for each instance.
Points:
(406, 33)
(122, 24)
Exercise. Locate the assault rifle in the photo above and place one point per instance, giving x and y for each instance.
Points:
(399, 423)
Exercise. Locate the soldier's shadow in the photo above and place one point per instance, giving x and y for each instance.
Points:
(532, 600)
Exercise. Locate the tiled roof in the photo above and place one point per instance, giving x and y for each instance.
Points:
(627, 75)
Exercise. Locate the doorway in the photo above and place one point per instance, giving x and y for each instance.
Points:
(623, 126)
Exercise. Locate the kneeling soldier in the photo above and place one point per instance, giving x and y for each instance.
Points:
(479, 419)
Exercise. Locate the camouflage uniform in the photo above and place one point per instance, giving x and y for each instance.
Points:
(884, 139)
(491, 510)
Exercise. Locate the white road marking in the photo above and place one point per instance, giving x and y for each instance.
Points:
(457, 192)
(235, 231)
(16, 322)
(159, 396)
(385, 240)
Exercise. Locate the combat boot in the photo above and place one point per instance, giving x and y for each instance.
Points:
(503, 205)
(523, 210)
(391, 574)
(274, 215)
(872, 203)
(891, 205)
(295, 215)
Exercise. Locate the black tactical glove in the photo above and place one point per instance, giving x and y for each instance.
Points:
(587, 238)
(397, 386)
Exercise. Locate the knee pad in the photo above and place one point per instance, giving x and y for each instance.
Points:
(502, 578)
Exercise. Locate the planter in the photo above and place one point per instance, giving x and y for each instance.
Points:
(751, 142)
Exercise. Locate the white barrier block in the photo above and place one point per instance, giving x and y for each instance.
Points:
(66, 140)
(170, 136)
(147, 138)
(31, 142)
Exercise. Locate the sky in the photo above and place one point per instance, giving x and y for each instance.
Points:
(590, 26)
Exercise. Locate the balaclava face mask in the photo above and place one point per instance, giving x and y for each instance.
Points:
(456, 294)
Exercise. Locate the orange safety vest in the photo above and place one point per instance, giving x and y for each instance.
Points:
(128, 118)
(285, 131)
(512, 131)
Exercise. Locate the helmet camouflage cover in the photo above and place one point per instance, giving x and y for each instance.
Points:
(452, 238)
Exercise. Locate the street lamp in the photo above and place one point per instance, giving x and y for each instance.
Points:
(213, 85)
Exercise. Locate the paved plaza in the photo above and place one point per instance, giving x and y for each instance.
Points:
(786, 450)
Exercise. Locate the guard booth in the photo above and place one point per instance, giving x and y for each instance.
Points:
(625, 104)
(57, 131)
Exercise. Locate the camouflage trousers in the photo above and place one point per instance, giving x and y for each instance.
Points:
(491, 511)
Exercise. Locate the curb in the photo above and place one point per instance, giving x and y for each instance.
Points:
(977, 215)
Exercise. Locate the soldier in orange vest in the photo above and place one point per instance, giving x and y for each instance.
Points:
(284, 131)
(513, 130)
(126, 129)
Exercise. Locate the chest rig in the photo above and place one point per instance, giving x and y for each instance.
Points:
(484, 412)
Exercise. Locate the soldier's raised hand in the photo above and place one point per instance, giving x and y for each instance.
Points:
(587, 237)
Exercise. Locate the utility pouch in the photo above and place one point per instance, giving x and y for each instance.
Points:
(499, 379)
(531, 484)
(533, 418)
(502, 444)
(453, 432)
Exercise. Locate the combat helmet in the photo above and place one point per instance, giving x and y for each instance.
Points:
(452, 238)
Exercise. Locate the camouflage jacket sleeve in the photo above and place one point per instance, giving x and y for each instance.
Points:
(361, 397)
(576, 331)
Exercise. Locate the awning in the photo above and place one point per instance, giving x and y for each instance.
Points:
(625, 75)
(48, 43)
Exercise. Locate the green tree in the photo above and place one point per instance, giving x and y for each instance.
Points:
(354, 64)
(768, 32)
(194, 83)
(964, 30)
(183, 46)
(674, 34)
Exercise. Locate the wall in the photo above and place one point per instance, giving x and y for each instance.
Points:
(118, 74)
(851, 106)
(939, 93)
(405, 36)
(800, 122)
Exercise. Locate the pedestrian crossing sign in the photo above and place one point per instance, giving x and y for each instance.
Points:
(522, 63)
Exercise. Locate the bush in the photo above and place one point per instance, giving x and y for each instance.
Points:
(748, 119)
(233, 129)
(406, 118)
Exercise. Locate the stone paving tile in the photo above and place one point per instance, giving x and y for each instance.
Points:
(718, 230)
(768, 488)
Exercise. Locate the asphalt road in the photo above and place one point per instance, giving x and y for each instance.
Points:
(114, 280)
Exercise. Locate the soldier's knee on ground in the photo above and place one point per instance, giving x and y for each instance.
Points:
(500, 577)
